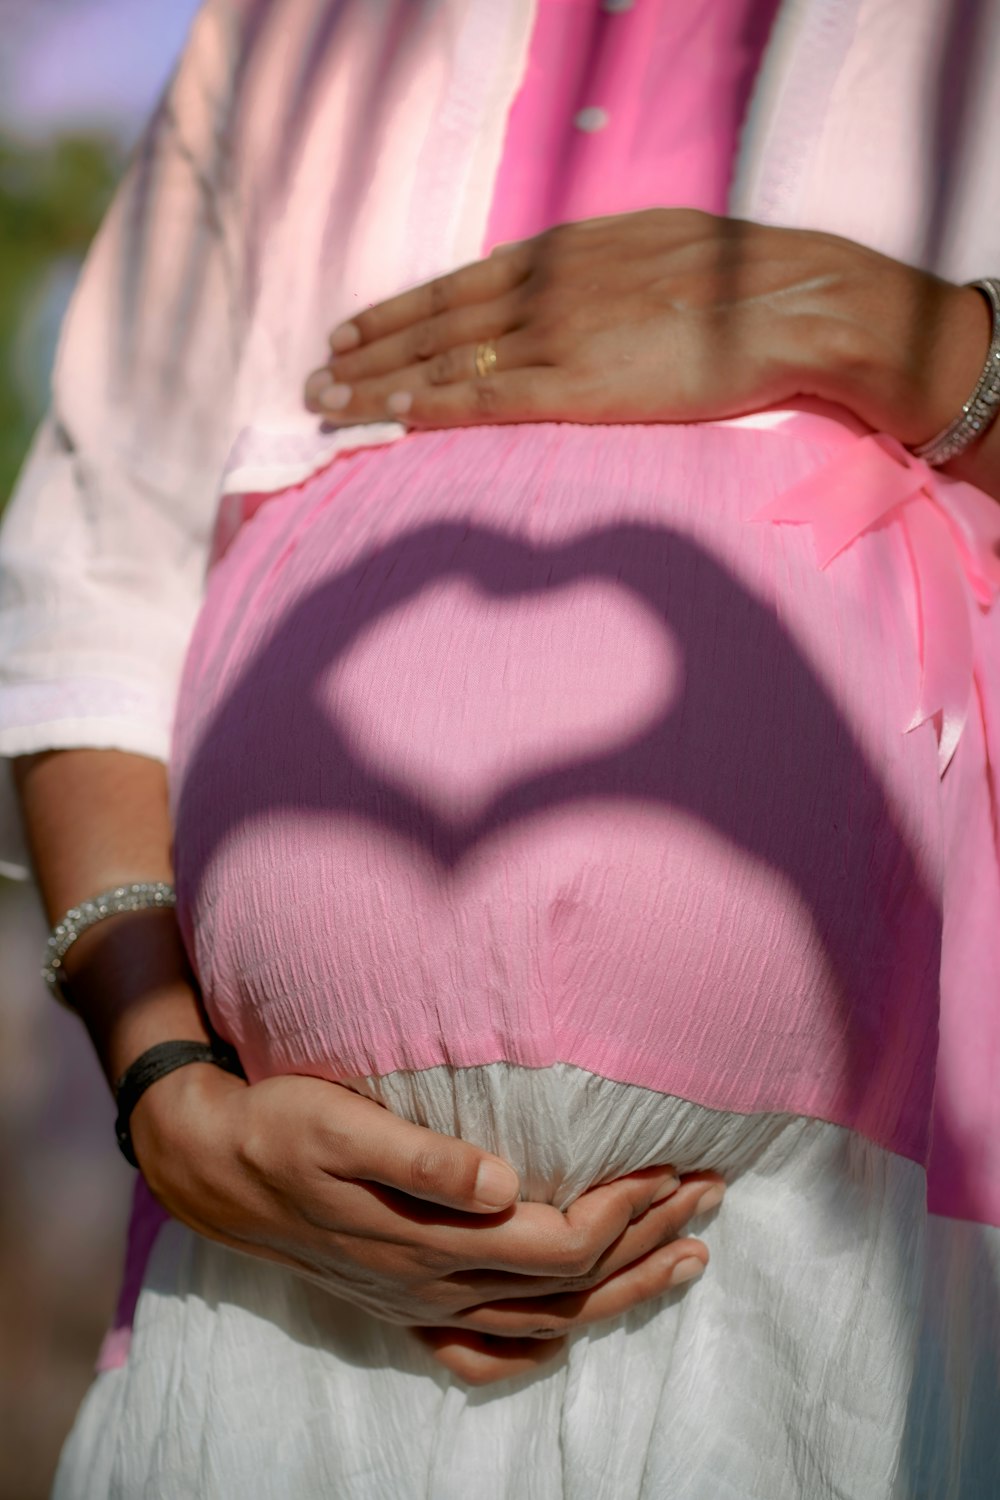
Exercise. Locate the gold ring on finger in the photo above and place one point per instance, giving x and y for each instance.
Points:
(486, 358)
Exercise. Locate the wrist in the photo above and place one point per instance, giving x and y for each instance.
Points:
(902, 349)
(174, 1119)
(129, 981)
(169, 1011)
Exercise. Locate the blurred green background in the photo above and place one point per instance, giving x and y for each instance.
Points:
(77, 79)
(52, 196)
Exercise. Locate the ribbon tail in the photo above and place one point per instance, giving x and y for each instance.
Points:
(975, 522)
(945, 627)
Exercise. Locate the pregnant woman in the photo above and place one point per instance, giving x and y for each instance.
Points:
(582, 757)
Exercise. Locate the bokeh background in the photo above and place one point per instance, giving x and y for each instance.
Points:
(77, 81)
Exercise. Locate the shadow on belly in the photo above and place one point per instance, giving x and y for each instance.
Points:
(752, 746)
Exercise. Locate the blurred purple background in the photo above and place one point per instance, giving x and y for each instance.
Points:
(86, 62)
(82, 71)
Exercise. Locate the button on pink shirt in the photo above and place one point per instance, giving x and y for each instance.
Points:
(627, 106)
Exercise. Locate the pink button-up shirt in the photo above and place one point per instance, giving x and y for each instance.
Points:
(626, 105)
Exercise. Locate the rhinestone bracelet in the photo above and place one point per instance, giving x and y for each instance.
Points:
(140, 896)
(982, 407)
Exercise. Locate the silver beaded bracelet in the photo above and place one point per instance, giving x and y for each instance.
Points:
(982, 407)
(140, 896)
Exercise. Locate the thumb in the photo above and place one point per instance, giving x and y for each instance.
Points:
(435, 1168)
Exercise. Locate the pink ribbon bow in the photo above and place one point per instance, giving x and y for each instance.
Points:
(952, 534)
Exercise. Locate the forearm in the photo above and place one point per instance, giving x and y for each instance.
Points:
(95, 819)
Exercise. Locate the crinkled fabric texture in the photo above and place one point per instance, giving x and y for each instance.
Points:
(534, 748)
(531, 787)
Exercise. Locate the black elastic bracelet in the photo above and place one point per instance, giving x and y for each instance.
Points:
(155, 1063)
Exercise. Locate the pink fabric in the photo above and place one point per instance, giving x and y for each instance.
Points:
(952, 533)
(479, 738)
(145, 1223)
(964, 1168)
(504, 785)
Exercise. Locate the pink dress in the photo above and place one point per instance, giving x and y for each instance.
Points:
(532, 783)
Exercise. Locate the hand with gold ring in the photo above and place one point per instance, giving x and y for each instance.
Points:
(665, 315)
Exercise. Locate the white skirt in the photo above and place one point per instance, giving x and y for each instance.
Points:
(843, 1345)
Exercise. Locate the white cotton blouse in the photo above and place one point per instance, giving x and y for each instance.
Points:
(259, 210)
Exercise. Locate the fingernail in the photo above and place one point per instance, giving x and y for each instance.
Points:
(399, 403)
(709, 1200)
(688, 1269)
(667, 1188)
(318, 382)
(335, 397)
(496, 1185)
(345, 336)
(506, 245)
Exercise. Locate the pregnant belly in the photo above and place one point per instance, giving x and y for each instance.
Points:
(464, 779)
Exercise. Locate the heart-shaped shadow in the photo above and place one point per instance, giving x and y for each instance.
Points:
(754, 747)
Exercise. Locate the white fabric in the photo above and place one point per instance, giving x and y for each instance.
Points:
(312, 156)
(786, 1373)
